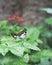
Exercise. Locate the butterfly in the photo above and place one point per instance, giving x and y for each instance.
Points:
(21, 34)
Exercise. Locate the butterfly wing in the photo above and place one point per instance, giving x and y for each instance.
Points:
(22, 34)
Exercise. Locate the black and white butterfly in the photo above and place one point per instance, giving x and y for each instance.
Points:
(21, 34)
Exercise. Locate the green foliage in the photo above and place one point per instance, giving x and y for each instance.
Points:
(46, 37)
(35, 57)
(49, 20)
(48, 10)
(45, 61)
(22, 51)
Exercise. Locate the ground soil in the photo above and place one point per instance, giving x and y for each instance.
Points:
(31, 14)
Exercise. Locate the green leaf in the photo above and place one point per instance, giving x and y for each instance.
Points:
(48, 10)
(13, 45)
(47, 34)
(18, 51)
(39, 41)
(6, 39)
(33, 33)
(7, 59)
(49, 20)
(47, 53)
(19, 63)
(3, 23)
(35, 57)
(44, 61)
(31, 46)
(3, 49)
(26, 58)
